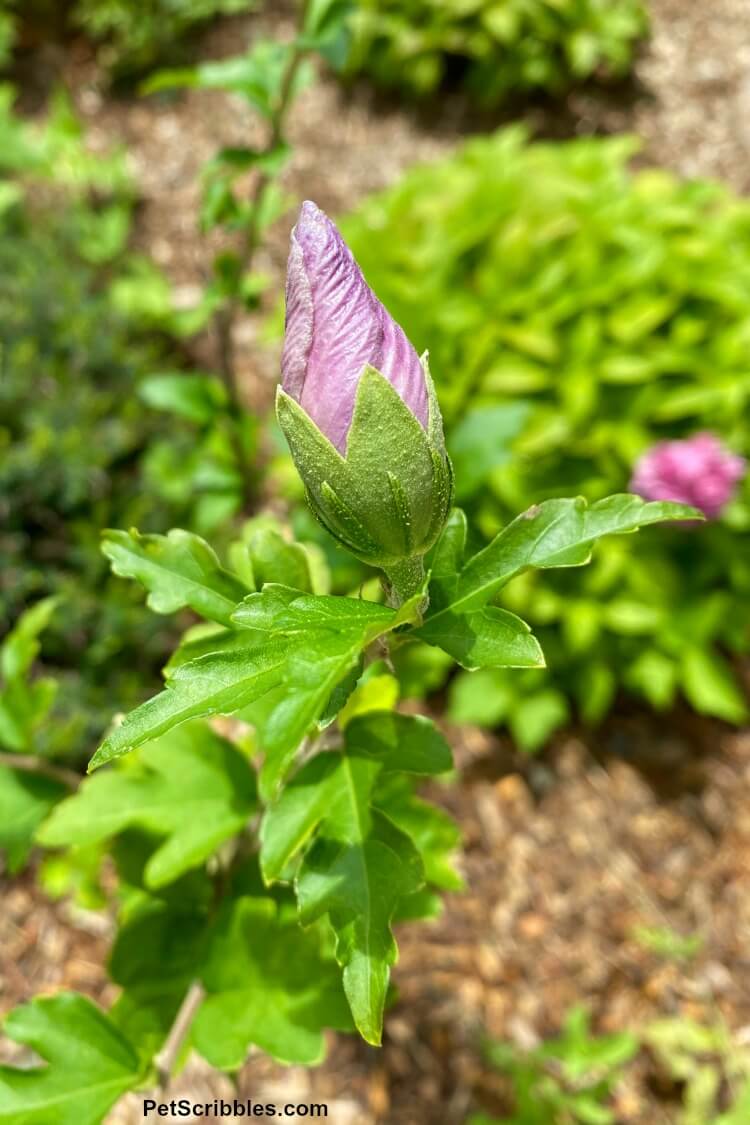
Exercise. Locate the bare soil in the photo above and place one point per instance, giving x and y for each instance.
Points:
(644, 824)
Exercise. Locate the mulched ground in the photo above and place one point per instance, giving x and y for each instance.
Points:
(648, 823)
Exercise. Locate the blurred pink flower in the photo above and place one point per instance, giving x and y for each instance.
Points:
(698, 470)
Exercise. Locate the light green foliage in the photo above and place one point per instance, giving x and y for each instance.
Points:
(86, 1064)
(569, 1080)
(24, 700)
(190, 787)
(496, 48)
(268, 982)
(668, 943)
(601, 311)
(556, 533)
(704, 1060)
(255, 76)
(296, 649)
(565, 1081)
(346, 827)
(201, 460)
(267, 77)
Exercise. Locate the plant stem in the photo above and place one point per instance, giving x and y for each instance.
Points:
(167, 1057)
(29, 763)
(405, 579)
(225, 318)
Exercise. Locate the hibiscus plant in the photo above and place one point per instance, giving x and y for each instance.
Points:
(261, 812)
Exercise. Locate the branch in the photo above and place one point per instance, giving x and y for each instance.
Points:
(29, 763)
(225, 318)
(167, 1057)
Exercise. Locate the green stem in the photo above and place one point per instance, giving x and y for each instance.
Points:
(29, 763)
(405, 579)
(225, 318)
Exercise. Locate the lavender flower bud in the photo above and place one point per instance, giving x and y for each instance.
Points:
(358, 407)
(335, 325)
(698, 470)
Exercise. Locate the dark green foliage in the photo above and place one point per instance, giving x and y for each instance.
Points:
(132, 34)
(496, 47)
(580, 313)
(72, 435)
(79, 451)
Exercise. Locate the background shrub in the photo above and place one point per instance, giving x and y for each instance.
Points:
(134, 33)
(496, 47)
(576, 313)
(79, 450)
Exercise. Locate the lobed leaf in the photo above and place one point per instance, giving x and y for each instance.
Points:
(556, 533)
(191, 787)
(179, 570)
(270, 984)
(358, 866)
(87, 1064)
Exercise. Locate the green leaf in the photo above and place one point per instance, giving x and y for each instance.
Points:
(274, 559)
(199, 398)
(668, 943)
(216, 684)
(256, 75)
(556, 533)
(25, 800)
(24, 703)
(88, 1064)
(157, 954)
(375, 692)
(483, 697)
(489, 638)
(191, 787)
(710, 686)
(537, 716)
(326, 636)
(482, 442)
(179, 570)
(270, 984)
(359, 885)
(359, 865)
(23, 708)
(303, 645)
(434, 833)
(334, 788)
(21, 646)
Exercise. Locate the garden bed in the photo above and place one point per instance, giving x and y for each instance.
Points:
(644, 825)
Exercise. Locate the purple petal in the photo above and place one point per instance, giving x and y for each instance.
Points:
(334, 327)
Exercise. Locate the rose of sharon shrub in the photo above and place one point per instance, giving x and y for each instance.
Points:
(262, 876)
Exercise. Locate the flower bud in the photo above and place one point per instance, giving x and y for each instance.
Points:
(698, 471)
(358, 407)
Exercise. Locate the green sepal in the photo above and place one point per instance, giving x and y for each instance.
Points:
(388, 498)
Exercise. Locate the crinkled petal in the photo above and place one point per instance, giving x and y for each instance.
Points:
(326, 352)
